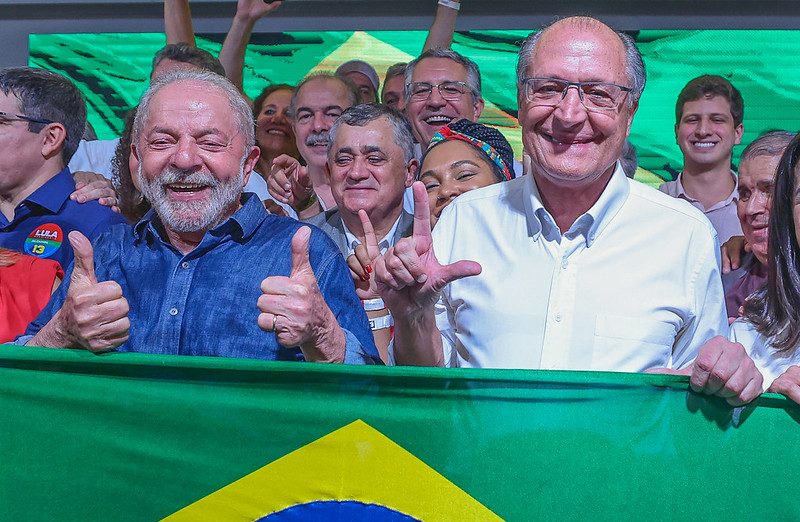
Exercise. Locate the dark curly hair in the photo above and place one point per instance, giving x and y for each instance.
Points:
(132, 203)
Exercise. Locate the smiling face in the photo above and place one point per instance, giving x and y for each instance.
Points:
(319, 102)
(191, 155)
(450, 169)
(756, 181)
(392, 94)
(706, 133)
(428, 116)
(274, 133)
(568, 145)
(368, 171)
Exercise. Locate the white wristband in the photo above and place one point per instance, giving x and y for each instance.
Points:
(450, 4)
(379, 323)
(371, 305)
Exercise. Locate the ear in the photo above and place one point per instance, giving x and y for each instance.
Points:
(411, 172)
(328, 171)
(738, 132)
(477, 108)
(631, 114)
(53, 137)
(250, 164)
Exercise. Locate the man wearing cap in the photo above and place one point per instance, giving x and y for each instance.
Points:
(364, 76)
(557, 269)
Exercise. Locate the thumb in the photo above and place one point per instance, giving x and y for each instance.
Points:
(302, 176)
(83, 269)
(300, 261)
(455, 271)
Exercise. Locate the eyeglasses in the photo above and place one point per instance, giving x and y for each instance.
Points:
(7, 118)
(421, 91)
(595, 96)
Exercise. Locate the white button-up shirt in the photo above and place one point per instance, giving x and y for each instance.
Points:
(769, 362)
(633, 284)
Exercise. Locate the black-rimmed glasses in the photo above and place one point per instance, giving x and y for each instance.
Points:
(6, 118)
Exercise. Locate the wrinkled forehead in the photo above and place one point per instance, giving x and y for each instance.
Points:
(190, 98)
(323, 92)
(435, 70)
(758, 169)
(579, 52)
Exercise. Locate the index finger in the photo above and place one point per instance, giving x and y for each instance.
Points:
(370, 241)
(422, 212)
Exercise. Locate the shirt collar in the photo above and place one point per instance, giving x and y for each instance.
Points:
(54, 192)
(733, 196)
(592, 223)
(241, 225)
(383, 244)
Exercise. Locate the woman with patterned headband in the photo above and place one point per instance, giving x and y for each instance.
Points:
(463, 156)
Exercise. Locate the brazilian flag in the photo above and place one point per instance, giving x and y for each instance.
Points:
(140, 437)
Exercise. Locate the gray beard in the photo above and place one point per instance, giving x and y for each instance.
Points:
(192, 216)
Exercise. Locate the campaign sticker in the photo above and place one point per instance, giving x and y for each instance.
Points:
(44, 241)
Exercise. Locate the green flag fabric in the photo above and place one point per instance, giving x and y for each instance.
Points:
(141, 437)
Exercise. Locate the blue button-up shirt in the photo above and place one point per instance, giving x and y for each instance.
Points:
(204, 302)
(43, 220)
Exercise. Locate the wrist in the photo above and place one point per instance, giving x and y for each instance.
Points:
(328, 343)
(450, 4)
(305, 203)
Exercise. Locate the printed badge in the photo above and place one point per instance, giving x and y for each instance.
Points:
(44, 241)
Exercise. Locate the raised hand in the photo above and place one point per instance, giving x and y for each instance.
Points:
(288, 180)
(361, 269)
(724, 369)
(255, 9)
(94, 315)
(409, 277)
(90, 186)
(732, 252)
(293, 308)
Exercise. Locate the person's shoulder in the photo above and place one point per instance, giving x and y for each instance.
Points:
(661, 205)
(321, 219)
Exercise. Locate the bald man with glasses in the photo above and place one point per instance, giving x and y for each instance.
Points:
(560, 269)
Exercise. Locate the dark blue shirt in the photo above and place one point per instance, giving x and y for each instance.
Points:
(204, 302)
(41, 222)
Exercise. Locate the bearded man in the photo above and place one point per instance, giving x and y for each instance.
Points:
(192, 276)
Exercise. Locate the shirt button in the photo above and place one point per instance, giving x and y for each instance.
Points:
(185, 264)
(173, 311)
(557, 317)
(564, 263)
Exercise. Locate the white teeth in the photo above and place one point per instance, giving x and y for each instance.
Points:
(276, 131)
(185, 187)
(704, 144)
(438, 120)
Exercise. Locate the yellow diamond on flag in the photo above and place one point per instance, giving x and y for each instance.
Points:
(353, 473)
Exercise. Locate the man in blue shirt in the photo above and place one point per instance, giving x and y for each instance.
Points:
(185, 280)
(42, 117)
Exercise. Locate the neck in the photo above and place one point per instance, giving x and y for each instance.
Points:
(11, 197)
(319, 180)
(708, 185)
(382, 222)
(185, 242)
(567, 203)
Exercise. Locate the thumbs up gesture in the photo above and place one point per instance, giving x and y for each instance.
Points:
(293, 308)
(94, 315)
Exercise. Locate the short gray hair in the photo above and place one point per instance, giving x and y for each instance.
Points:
(241, 109)
(473, 73)
(361, 115)
(634, 65)
(351, 88)
(772, 143)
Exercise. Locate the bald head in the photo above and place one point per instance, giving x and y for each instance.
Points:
(572, 35)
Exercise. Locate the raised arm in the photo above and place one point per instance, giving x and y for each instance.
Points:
(410, 280)
(232, 53)
(440, 35)
(178, 22)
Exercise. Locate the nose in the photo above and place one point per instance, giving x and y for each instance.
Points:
(570, 110)
(447, 192)
(757, 204)
(703, 127)
(186, 155)
(320, 122)
(358, 170)
(435, 99)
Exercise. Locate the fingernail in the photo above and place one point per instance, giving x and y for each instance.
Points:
(422, 278)
(365, 277)
(368, 268)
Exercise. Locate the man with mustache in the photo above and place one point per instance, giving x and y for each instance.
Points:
(316, 103)
(558, 269)
(192, 275)
(757, 168)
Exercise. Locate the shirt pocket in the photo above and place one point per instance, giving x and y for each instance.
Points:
(631, 344)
